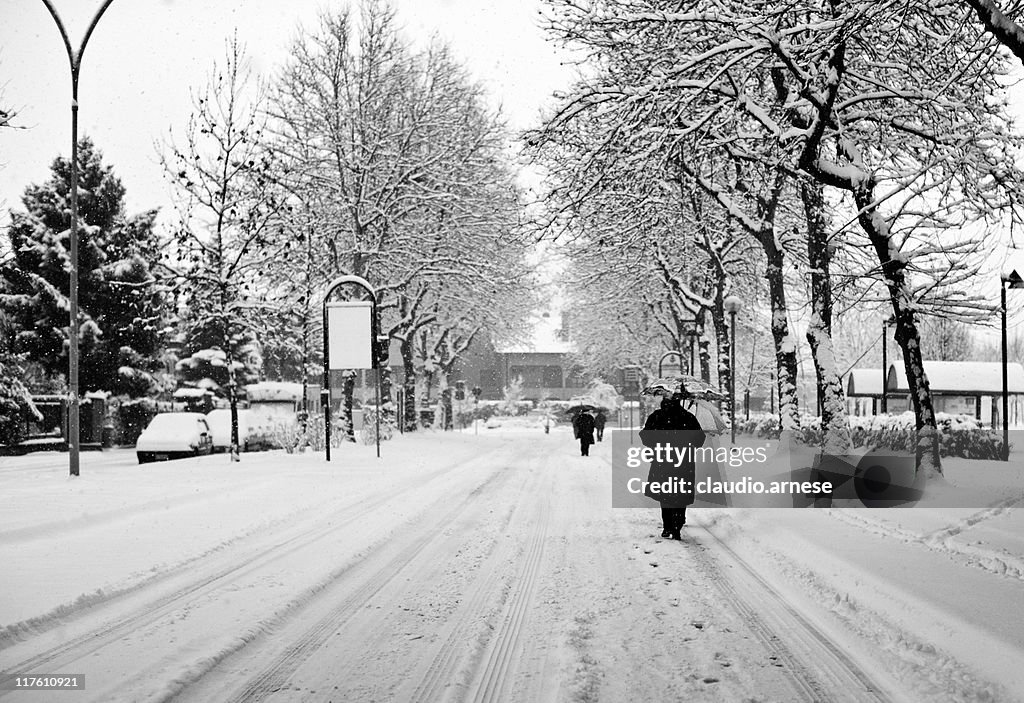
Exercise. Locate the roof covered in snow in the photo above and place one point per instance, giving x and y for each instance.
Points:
(191, 393)
(961, 377)
(274, 392)
(864, 382)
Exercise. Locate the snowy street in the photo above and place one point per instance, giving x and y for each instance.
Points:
(489, 567)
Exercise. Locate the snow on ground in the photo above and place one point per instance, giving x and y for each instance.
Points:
(489, 565)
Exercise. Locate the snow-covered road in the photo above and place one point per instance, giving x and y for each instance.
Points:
(489, 568)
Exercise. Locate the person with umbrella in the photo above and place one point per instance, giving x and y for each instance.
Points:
(584, 427)
(686, 434)
(599, 421)
(697, 399)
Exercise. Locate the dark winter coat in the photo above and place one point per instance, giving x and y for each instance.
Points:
(585, 428)
(599, 421)
(672, 416)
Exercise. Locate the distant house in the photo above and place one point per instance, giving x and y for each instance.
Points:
(958, 387)
(543, 361)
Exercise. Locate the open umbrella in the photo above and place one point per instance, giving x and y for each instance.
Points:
(707, 415)
(663, 386)
(584, 402)
(699, 388)
(689, 386)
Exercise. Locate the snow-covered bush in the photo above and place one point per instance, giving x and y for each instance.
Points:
(15, 402)
(369, 431)
(513, 397)
(959, 435)
(483, 411)
(605, 395)
(764, 426)
(288, 435)
(133, 416)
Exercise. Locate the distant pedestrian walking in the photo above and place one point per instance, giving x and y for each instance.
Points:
(584, 431)
(599, 420)
(685, 433)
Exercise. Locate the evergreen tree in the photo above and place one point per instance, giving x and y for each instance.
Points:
(120, 302)
(15, 402)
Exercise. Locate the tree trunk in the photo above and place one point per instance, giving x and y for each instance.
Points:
(235, 450)
(834, 423)
(348, 389)
(446, 405)
(894, 270)
(387, 406)
(408, 386)
(722, 343)
(704, 353)
(785, 346)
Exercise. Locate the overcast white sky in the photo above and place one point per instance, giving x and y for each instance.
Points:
(145, 55)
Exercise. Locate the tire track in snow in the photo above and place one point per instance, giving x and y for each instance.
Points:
(276, 672)
(437, 681)
(16, 632)
(943, 540)
(94, 640)
(493, 680)
(829, 674)
(276, 676)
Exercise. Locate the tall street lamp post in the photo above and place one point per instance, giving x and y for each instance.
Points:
(75, 59)
(884, 401)
(732, 306)
(1007, 279)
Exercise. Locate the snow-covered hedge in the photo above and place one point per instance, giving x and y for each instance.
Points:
(959, 435)
(16, 407)
(132, 415)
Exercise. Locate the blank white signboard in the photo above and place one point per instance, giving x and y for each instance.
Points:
(349, 327)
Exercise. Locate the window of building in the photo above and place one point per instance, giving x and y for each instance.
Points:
(533, 376)
(552, 376)
(489, 379)
(576, 379)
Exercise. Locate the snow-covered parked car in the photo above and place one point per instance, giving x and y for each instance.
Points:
(174, 435)
(219, 421)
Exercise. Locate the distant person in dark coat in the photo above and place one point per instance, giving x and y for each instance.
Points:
(671, 416)
(599, 420)
(584, 424)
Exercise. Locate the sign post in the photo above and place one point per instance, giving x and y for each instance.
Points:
(350, 335)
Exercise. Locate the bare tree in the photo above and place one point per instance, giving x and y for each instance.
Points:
(229, 204)
(890, 105)
(406, 165)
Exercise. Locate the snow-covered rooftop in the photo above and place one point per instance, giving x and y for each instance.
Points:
(864, 382)
(191, 393)
(274, 392)
(964, 377)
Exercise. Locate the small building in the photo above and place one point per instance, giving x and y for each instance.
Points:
(864, 394)
(966, 388)
(957, 387)
(543, 362)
